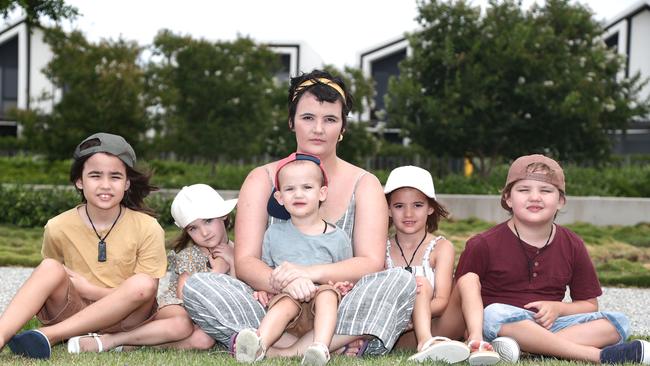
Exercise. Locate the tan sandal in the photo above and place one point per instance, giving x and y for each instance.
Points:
(483, 355)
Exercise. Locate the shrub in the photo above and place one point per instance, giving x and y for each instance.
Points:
(29, 207)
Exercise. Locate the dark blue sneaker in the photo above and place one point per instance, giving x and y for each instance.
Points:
(637, 351)
(32, 344)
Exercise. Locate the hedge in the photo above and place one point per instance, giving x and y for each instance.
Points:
(31, 207)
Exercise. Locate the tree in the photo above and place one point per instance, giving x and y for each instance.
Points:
(54, 9)
(211, 100)
(102, 86)
(511, 82)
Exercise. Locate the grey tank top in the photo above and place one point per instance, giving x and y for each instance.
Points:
(345, 223)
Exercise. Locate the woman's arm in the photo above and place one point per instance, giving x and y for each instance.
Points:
(250, 224)
(370, 233)
(442, 259)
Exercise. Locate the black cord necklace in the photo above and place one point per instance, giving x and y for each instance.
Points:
(529, 260)
(101, 246)
(325, 229)
(408, 263)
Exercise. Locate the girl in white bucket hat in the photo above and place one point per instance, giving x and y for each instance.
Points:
(415, 213)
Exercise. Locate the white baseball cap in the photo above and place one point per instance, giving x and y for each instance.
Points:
(410, 176)
(199, 201)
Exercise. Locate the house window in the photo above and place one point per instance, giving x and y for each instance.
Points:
(382, 70)
(612, 41)
(8, 77)
(284, 71)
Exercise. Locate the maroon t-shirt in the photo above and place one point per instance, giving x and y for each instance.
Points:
(498, 258)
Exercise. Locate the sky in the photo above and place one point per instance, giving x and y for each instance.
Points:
(337, 30)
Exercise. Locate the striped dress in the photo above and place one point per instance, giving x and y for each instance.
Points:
(380, 304)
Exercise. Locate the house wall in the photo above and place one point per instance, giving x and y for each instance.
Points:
(640, 48)
(39, 84)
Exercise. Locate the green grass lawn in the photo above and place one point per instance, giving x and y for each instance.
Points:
(150, 356)
(621, 254)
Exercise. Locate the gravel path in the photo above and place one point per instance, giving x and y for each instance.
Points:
(632, 301)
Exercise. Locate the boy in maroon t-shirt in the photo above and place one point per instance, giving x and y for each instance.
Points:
(525, 265)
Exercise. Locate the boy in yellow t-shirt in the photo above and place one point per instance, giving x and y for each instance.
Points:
(102, 259)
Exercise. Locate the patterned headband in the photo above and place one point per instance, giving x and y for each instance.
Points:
(311, 82)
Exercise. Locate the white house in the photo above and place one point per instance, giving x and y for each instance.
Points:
(23, 55)
(628, 33)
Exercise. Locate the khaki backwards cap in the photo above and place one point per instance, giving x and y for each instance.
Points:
(519, 170)
(106, 143)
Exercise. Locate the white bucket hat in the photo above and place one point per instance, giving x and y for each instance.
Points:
(199, 201)
(410, 176)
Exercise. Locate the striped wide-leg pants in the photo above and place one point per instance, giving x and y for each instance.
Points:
(380, 305)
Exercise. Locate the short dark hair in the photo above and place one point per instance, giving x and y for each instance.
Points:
(322, 92)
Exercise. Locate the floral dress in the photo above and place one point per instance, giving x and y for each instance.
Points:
(190, 260)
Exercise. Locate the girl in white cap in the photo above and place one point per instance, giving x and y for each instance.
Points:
(202, 246)
(415, 213)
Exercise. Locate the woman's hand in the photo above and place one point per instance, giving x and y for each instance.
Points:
(286, 273)
(301, 289)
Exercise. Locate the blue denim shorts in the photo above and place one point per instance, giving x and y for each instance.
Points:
(496, 315)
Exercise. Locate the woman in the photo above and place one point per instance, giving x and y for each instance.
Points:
(380, 304)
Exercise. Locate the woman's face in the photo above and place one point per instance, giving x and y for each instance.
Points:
(317, 125)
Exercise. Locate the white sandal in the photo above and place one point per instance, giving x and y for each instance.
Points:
(75, 347)
(248, 346)
(316, 355)
(441, 349)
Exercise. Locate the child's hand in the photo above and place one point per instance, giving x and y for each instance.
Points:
(547, 312)
(225, 251)
(262, 296)
(419, 283)
(80, 283)
(343, 287)
(301, 289)
(286, 273)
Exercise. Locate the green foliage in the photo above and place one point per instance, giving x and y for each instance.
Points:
(35, 9)
(512, 82)
(102, 84)
(213, 100)
(626, 181)
(28, 207)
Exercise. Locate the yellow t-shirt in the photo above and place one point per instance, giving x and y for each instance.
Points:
(136, 245)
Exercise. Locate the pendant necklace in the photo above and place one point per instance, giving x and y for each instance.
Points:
(101, 246)
(539, 250)
(408, 263)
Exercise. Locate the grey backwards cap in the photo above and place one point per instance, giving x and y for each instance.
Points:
(107, 143)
